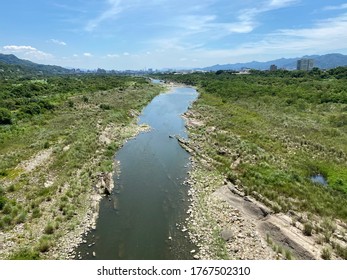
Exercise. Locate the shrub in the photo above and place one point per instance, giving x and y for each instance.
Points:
(21, 217)
(32, 109)
(308, 228)
(288, 255)
(36, 213)
(2, 202)
(85, 99)
(5, 116)
(70, 103)
(44, 244)
(25, 254)
(49, 229)
(105, 107)
(326, 254)
(7, 209)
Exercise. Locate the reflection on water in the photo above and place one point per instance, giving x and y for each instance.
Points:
(143, 217)
(319, 179)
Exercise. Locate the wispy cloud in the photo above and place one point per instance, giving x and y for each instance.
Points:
(339, 7)
(323, 36)
(28, 52)
(87, 54)
(114, 8)
(280, 3)
(190, 30)
(58, 42)
(112, 55)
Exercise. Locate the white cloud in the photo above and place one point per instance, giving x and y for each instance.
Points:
(281, 3)
(113, 55)
(87, 54)
(114, 9)
(126, 54)
(340, 7)
(19, 48)
(58, 42)
(324, 36)
(27, 52)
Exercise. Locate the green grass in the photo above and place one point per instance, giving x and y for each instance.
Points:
(280, 150)
(282, 130)
(60, 187)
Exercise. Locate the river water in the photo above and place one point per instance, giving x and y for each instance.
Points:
(144, 216)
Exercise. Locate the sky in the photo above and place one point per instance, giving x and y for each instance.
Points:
(134, 34)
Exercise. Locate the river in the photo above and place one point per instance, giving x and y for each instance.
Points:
(144, 216)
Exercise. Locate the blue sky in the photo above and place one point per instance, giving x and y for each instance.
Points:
(134, 34)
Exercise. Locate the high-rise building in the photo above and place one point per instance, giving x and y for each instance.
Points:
(305, 64)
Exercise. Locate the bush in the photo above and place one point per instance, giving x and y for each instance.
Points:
(7, 209)
(32, 109)
(5, 116)
(326, 254)
(21, 217)
(70, 103)
(49, 229)
(308, 228)
(105, 107)
(2, 202)
(25, 254)
(36, 213)
(44, 244)
(85, 99)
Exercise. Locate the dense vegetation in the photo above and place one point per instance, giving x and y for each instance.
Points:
(57, 133)
(22, 66)
(272, 131)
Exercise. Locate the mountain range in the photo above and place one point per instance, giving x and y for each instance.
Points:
(28, 66)
(326, 61)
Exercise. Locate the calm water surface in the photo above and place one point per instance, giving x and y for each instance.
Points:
(150, 197)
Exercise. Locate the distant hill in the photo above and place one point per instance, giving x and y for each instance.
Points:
(326, 61)
(28, 66)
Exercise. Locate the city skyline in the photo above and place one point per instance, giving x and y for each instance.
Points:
(133, 34)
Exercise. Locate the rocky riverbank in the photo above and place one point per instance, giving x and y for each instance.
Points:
(52, 195)
(226, 223)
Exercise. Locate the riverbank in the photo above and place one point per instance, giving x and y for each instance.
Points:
(149, 184)
(64, 167)
(227, 220)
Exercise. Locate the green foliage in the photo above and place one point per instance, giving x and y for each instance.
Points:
(21, 218)
(36, 213)
(105, 107)
(308, 228)
(285, 126)
(2, 202)
(49, 229)
(25, 254)
(5, 116)
(326, 254)
(67, 114)
(45, 243)
(85, 99)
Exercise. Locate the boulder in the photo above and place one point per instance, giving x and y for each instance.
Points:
(227, 234)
